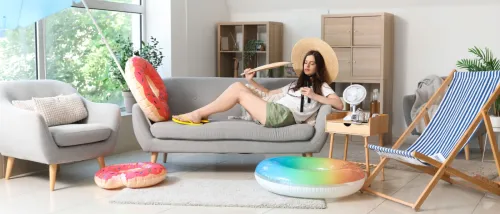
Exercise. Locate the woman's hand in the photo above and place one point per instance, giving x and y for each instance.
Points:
(248, 75)
(308, 92)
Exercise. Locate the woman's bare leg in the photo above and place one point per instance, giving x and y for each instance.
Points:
(234, 94)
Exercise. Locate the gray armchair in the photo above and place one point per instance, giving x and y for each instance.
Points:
(24, 134)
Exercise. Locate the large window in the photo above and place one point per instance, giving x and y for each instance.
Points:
(17, 54)
(72, 49)
(75, 52)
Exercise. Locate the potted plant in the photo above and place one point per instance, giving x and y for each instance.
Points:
(124, 50)
(484, 61)
(251, 48)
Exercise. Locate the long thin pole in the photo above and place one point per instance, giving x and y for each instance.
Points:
(105, 41)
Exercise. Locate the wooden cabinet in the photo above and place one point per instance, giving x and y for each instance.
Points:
(364, 47)
(344, 56)
(366, 63)
(337, 31)
(368, 30)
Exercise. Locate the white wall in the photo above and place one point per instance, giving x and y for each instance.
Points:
(187, 33)
(157, 24)
(193, 36)
(202, 21)
(178, 52)
(418, 49)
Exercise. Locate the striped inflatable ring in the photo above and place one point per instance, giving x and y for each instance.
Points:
(131, 175)
(309, 177)
(148, 89)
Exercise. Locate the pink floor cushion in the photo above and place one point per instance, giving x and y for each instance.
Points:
(131, 175)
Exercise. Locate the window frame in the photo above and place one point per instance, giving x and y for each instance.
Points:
(40, 39)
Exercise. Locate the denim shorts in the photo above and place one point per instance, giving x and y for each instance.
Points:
(278, 115)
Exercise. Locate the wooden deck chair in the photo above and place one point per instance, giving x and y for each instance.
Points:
(464, 106)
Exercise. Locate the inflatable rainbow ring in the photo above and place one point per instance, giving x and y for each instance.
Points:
(309, 177)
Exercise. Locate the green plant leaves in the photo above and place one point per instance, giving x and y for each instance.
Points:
(485, 61)
(250, 49)
(123, 48)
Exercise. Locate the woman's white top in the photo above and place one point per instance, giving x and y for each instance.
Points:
(292, 101)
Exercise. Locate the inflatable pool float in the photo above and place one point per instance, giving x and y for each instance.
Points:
(309, 177)
(131, 175)
(148, 89)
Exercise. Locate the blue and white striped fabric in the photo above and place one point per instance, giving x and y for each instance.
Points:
(463, 100)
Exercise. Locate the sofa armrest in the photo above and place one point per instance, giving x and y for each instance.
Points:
(141, 127)
(320, 134)
(103, 113)
(24, 133)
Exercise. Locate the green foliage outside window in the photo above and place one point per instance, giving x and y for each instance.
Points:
(74, 52)
(17, 54)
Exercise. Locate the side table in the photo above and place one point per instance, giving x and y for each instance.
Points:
(335, 124)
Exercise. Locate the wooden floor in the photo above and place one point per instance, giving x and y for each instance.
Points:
(75, 191)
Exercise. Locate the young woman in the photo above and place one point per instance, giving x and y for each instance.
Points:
(285, 111)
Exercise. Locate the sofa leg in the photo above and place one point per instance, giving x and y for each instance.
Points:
(308, 154)
(52, 175)
(102, 164)
(165, 157)
(10, 165)
(154, 157)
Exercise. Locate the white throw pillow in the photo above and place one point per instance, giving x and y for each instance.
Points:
(24, 104)
(61, 110)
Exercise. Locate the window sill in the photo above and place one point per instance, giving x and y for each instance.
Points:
(125, 114)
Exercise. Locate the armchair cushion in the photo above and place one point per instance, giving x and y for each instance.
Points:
(232, 130)
(60, 110)
(79, 134)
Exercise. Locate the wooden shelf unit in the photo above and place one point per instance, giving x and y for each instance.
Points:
(271, 33)
(364, 45)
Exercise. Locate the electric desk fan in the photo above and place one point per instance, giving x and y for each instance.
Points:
(354, 95)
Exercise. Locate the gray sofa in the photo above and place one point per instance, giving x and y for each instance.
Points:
(223, 135)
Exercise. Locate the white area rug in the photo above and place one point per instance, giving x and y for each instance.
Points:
(210, 192)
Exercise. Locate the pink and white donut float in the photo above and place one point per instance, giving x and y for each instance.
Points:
(131, 175)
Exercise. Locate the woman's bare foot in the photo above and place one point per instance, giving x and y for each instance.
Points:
(193, 117)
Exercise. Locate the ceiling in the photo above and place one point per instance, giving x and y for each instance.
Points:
(255, 6)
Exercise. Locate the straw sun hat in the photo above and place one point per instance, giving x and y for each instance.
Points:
(305, 45)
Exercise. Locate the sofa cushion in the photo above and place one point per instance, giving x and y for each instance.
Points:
(232, 130)
(79, 134)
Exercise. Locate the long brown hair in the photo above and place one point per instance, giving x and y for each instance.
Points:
(318, 78)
